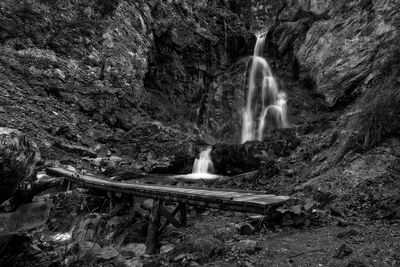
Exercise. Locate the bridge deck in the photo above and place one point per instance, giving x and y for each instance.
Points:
(227, 200)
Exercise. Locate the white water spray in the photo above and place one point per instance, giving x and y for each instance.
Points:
(203, 165)
(271, 101)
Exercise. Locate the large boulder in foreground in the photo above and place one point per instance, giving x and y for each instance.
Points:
(18, 157)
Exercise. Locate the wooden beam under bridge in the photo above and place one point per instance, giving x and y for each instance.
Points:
(243, 201)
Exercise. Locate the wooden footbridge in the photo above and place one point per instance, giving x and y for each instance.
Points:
(235, 200)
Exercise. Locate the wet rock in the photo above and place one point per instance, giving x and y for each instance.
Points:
(281, 142)
(147, 204)
(343, 223)
(133, 250)
(167, 248)
(18, 158)
(248, 245)
(65, 131)
(347, 234)
(107, 253)
(240, 158)
(160, 148)
(115, 222)
(337, 211)
(80, 150)
(136, 262)
(185, 257)
(356, 263)
(246, 229)
(88, 248)
(343, 251)
(207, 246)
(250, 156)
(142, 213)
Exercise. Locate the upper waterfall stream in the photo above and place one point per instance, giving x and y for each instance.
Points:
(264, 99)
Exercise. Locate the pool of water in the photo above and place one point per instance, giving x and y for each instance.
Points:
(198, 176)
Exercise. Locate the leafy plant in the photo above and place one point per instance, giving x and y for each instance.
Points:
(299, 213)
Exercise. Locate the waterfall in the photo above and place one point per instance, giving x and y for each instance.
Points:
(203, 165)
(270, 101)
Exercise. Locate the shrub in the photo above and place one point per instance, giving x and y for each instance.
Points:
(380, 116)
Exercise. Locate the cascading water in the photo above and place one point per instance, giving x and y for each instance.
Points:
(203, 165)
(270, 101)
(263, 98)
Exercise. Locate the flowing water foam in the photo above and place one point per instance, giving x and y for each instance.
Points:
(203, 167)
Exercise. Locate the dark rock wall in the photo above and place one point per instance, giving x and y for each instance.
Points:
(99, 68)
(72, 62)
(193, 46)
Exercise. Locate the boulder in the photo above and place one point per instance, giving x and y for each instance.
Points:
(158, 148)
(18, 158)
(239, 158)
(281, 142)
(167, 248)
(133, 250)
(248, 245)
(235, 159)
(148, 204)
(207, 246)
(343, 251)
(246, 228)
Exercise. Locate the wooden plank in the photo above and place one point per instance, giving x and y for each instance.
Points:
(249, 198)
(192, 191)
(271, 199)
(263, 198)
(237, 195)
(221, 194)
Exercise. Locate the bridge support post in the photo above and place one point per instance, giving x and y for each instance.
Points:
(155, 228)
(111, 198)
(182, 214)
(152, 231)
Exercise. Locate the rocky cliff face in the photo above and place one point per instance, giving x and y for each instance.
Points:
(341, 46)
(99, 72)
(86, 72)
